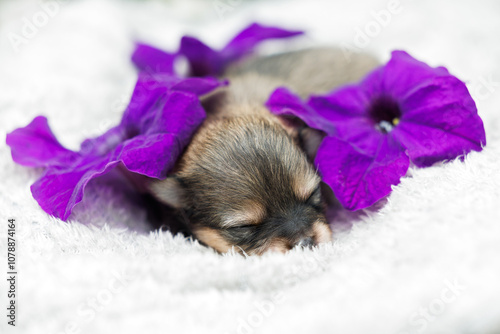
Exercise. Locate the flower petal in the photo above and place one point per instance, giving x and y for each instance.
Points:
(199, 86)
(148, 93)
(345, 111)
(204, 60)
(150, 155)
(244, 43)
(181, 115)
(344, 103)
(340, 115)
(360, 133)
(59, 190)
(102, 144)
(440, 122)
(151, 59)
(284, 102)
(359, 180)
(36, 146)
(403, 73)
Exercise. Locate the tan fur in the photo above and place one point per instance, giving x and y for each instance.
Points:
(213, 238)
(322, 232)
(278, 246)
(251, 212)
(244, 180)
(305, 183)
(223, 120)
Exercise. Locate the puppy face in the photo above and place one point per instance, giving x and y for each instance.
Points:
(244, 182)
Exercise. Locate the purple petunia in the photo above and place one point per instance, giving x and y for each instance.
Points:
(401, 112)
(203, 60)
(163, 114)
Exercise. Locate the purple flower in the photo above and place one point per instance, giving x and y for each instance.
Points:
(151, 60)
(163, 114)
(401, 112)
(203, 60)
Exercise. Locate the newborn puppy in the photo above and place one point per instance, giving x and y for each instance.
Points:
(246, 179)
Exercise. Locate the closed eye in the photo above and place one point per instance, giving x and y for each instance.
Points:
(315, 198)
(245, 227)
(315, 194)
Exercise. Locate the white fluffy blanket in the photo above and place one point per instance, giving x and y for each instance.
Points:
(427, 262)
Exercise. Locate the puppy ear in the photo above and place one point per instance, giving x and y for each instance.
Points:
(310, 139)
(169, 191)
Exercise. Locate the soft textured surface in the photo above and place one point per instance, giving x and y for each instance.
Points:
(440, 227)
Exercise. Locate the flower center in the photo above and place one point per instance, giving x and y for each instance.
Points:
(385, 112)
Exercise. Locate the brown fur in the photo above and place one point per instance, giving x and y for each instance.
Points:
(245, 180)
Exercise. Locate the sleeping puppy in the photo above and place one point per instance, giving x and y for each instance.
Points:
(246, 180)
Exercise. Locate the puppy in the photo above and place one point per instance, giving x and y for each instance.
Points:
(246, 180)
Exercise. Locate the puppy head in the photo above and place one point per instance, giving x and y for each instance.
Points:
(244, 182)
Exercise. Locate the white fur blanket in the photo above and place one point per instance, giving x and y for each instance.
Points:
(427, 262)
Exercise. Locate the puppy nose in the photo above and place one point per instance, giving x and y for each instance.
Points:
(305, 242)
